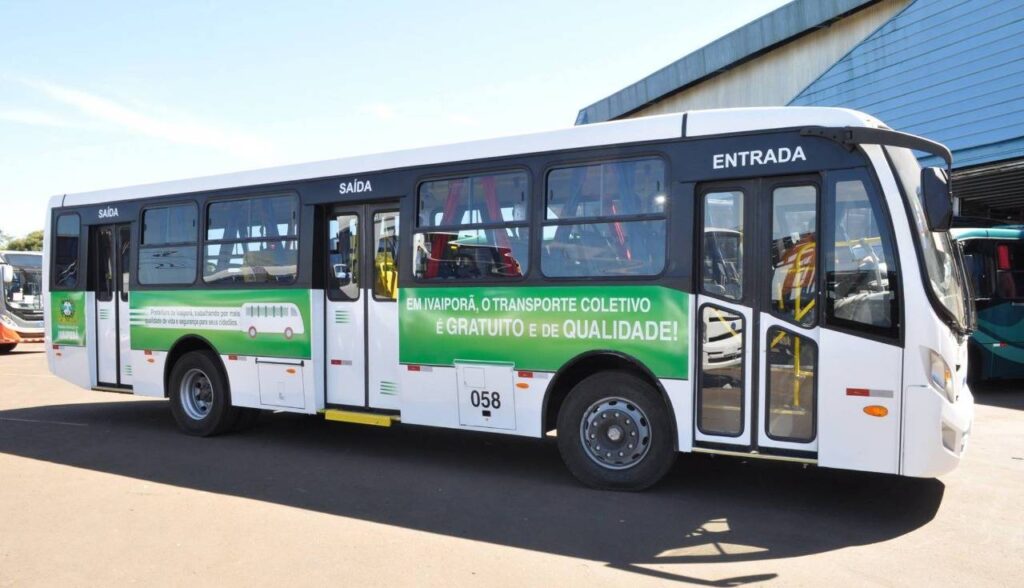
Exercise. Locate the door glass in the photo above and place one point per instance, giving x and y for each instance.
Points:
(791, 386)
(385, 261)
(794, 253)
(721, 372)
(343, 256)
(124, 245)
(722, 268)
(105, 265)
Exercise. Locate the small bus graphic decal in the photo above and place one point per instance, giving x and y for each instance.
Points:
(271, 317)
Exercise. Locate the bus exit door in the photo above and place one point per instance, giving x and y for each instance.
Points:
(362, 306)
(110, 267)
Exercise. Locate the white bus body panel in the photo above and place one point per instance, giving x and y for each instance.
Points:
(382, 352)
(106, 340)
(848, 437)
(346, 351)
(433, 399)
(923, 414)
(124, 342)
(680, 399)
(148, 372)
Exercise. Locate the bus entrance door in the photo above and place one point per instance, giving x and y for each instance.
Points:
(111, 247)
(362, 306)
(756, 328)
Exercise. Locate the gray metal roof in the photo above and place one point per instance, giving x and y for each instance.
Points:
(787, 22)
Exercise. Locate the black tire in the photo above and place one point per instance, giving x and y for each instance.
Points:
(619, 395)
(219, 415)
(247, 418)
(7, 348)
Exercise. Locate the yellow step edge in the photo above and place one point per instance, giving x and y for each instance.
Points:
(361, 418)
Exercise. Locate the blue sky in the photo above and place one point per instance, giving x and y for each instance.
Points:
(107, 94)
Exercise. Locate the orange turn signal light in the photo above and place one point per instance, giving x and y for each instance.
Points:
(876, 410)
(522, 385)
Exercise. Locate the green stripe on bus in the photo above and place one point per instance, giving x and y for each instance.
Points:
(266, 322)
(542, 327)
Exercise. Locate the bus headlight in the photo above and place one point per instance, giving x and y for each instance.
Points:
(940, 375)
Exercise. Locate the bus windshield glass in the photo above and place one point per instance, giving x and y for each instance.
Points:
(941, 267)
(25, 290)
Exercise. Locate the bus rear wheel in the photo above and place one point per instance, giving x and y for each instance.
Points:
(615, 433)
(7, 348)
(200, 400)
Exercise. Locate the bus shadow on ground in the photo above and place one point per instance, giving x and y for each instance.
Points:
(1000, 393)
(503, 490)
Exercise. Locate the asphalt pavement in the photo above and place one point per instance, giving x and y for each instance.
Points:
(101, 489)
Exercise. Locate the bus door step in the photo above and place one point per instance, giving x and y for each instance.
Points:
(361, 418)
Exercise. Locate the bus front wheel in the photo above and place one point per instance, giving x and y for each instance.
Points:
(7, 348)
(200, 401)
(614, 432)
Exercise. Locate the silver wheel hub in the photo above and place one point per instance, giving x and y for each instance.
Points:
(615, 433)
(196, 394)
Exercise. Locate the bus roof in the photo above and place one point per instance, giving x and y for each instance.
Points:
(653, 128)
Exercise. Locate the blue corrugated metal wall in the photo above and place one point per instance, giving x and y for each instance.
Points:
(950, 70)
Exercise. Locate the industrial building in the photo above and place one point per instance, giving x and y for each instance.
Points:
(950, 70)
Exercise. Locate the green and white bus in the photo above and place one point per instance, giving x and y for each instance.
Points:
(775, 283)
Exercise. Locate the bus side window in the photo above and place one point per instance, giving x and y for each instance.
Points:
(979, 264)
(65, 259)
(860, 274)
(1010, 270)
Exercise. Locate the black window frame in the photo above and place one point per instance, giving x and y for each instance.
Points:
(664, 216)
(206, 242)
(54, 286)
(526, 223)
(142, 245)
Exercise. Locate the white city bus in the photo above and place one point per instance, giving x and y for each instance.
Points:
(21, 298)
(774, 283)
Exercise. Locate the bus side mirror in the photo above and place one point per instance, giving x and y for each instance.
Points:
(938, 201)
(7, 272)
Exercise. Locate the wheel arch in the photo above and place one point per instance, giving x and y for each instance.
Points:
(591, 362)
(187, 344)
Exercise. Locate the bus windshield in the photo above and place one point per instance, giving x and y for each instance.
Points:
(25, 290)
(941, 266)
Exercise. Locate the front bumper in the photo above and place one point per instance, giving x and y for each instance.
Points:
(935, 432)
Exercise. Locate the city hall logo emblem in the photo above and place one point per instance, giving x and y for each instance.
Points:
(355, 187)
(67, 309)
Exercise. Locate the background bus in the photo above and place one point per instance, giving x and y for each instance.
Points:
(994, 257)
(771, 283)
(21, 298)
